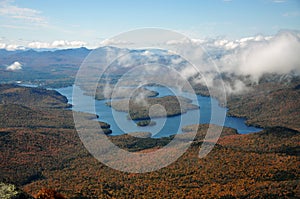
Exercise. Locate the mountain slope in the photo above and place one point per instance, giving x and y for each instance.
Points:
(269, 104)
(32, 97)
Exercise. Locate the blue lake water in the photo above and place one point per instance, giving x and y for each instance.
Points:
(164, 126)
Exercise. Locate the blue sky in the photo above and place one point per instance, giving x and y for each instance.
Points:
(91, 21)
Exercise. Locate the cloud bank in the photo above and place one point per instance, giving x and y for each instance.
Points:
(57, 44)
(247, 58)
(256, 57)
(244, 61)
(241, 62)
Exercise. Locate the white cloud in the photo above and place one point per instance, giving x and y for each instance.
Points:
(177, 61)
(182, 41)
(235, 87)
(188, 72)
(8, 9)
(12, 47)
(279, 55)
(231, 45)
(57, 44)
(114, 42)
(249, 57)
(221, 42)
(243, 42)
(224, 44)
(67, 44)
(61, 44)
(39, 45)
(2, 45)
(147, 53)
(15, 66)
(77, 43)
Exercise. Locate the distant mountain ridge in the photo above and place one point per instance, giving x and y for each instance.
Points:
(48, 67)
(35, 59)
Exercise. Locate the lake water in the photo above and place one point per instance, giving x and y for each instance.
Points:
(164, 126)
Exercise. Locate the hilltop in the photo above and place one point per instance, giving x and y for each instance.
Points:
(31, 97)
(138, 109)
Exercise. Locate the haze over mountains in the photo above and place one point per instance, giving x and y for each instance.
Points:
(242, 62)
(258, 72)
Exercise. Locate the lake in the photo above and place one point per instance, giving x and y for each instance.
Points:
(164, 126)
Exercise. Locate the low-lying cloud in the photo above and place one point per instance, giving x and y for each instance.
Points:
(57, 44)
(243, 61)
(113, 42)
(278, 55)
(15, 66)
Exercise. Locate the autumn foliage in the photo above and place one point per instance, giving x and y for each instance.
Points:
(48, 194)
(46, 151)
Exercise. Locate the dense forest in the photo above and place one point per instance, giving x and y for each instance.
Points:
(40, 148)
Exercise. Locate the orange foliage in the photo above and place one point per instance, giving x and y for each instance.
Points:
(48, 194)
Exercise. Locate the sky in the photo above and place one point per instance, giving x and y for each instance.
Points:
(51, 23)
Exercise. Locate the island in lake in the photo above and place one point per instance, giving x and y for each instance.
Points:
(146, 108)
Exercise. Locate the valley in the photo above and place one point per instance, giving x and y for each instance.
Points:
(262, 164)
